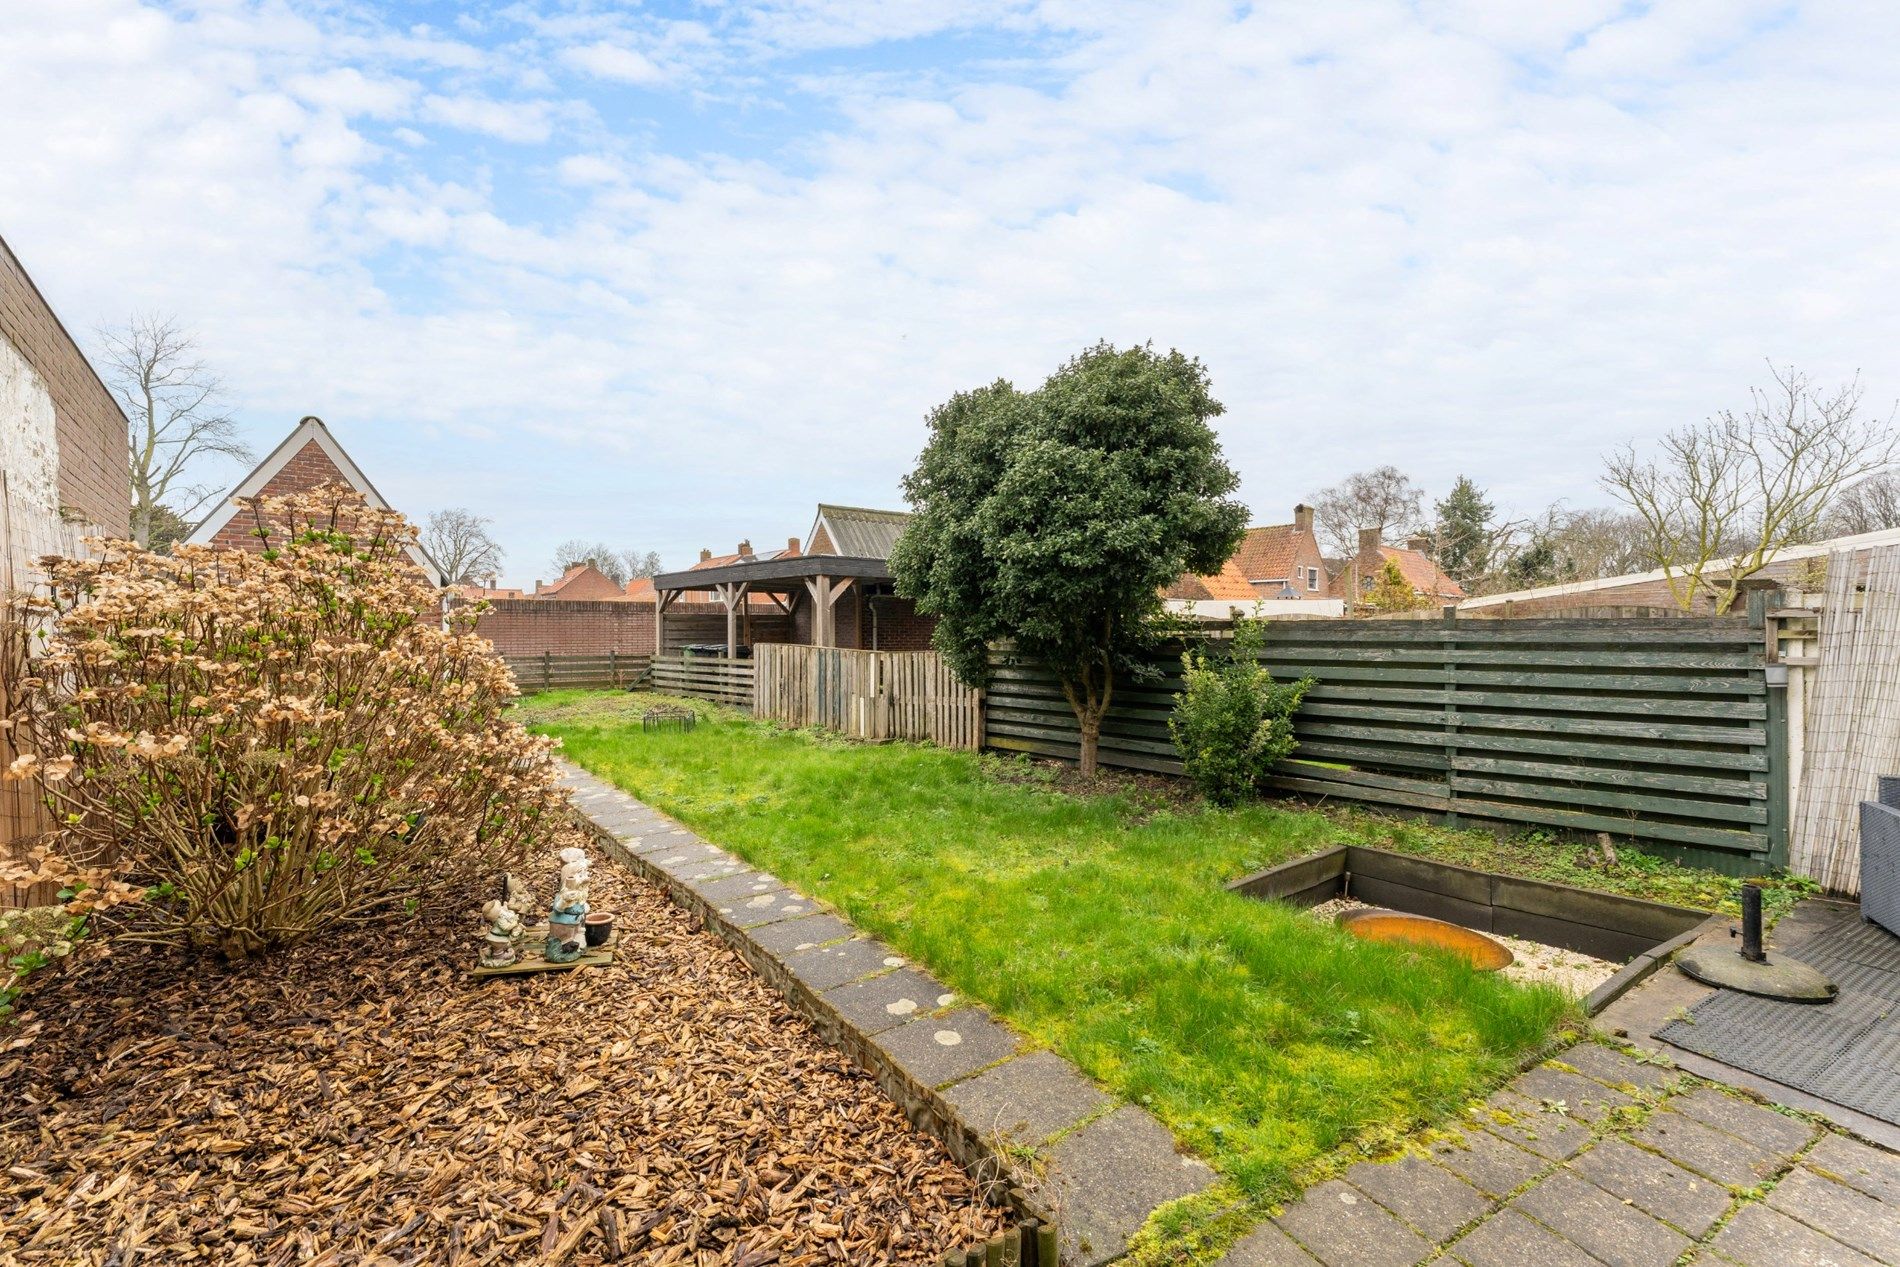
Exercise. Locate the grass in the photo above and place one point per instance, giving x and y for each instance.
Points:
(1099, 927)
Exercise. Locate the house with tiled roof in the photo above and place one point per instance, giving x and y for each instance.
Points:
(1413, 560)
(1283, 561)
(581, 582)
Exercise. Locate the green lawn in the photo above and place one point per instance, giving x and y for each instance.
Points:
(1099, 927)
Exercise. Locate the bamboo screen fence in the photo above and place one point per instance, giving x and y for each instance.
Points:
(1853, 716)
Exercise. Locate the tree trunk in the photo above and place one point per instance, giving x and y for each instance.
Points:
(1090, 722)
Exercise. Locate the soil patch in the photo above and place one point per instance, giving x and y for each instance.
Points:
(366, 1101)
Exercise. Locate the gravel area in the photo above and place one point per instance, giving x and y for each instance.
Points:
(1536, 963)
(366, 1101)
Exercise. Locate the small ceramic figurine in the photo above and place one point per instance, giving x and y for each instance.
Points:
(566, 938)
(504, 930)
(516, 895)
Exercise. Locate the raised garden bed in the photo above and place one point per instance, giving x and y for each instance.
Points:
(1636, 933)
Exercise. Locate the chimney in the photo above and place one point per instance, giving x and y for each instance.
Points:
(587, 563)
(1419, 541)
(1369, 540)
(705, 555)
(792, 545)
(745, 549)
(1303, 518)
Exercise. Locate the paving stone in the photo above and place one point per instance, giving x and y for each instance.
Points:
(1109, 1176)
(734, 887)
(699, 876)
(1487, 1162)
(1531, 1126)
(1848, 1216)
(1266, 1246)
(896, 998)
(940, 1049)
(790, 935)
(1705, 1150)
(765, 908)
(1610, 1231)
(684, 854)
(1655, 1185)
(1762, 1237)
(1873, 1171)
(1582, 1097)
(1744, 1119)
(1619, 1070)
(1027, 1099)
(829, 966)
(1428, 1197)
(1508, 1239)
(1342, 1227)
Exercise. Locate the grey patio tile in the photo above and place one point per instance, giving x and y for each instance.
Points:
(939, 1049)
(737, 884)
(765, 908)
(1762, 1237)
(683, 854)
(1873, 1171)
(790, 935)
(1508, 1239)
(1705, 1150)
(1655, 1185)
(1027, 1099)
(1619, 1070)
(700, 876)
(1428, 1197)
(1109, 1176)
(1583, 1097)
(1531, 1126)
(1266, 1246)
(1744, 1119)
(1490, 1164)
(895, 998)
(829, 966)
(1851, 1217)
(1610, 1231)
(1342, 1227)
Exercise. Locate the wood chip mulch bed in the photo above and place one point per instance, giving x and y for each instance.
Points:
(366, 1102)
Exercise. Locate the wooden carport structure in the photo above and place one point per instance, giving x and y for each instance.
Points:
(822, 578)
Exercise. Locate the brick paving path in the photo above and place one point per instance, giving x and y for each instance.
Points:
(1595, 1159)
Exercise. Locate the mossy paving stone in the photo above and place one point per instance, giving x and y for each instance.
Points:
(1508, 1239)
(1342, 1227)
(1614, 1233)
(828, 966)
(1594, 1060)
(1428, 1197)
(1705, 1150)
(1744, 1119)
(1853, 1163)
(939, 1049)
(1655, 1185)
(1759, 1236)
(1850, 1217)
(787, 936)
(1267, 1246)
(1583, 1098)
(1531, 1126)
(1494, 1166)
(1106, 1178)
(892, 999)
(1027, 1099)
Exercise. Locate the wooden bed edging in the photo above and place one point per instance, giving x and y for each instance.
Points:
(1631, 930)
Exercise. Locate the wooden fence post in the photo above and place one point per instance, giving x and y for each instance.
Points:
(547, 671)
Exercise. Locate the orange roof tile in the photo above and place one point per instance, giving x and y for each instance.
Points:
(1422, 574)
(1267, 553)
(1228, 583)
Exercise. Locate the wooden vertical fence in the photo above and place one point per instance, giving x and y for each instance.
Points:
(549, 672)
(867, 694)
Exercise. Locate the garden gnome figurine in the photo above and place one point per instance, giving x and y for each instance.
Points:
(566, 938)
(504, 930)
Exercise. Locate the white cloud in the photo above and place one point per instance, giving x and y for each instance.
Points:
(519, 121)
(606, 60)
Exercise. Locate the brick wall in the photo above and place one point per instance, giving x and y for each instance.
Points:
(561, 626)
(95, 480)
(309, 467)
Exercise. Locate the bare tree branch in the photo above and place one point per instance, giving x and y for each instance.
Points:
(1384, 498)
(459, 543)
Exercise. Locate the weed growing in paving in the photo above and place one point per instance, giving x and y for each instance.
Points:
(1098, 926)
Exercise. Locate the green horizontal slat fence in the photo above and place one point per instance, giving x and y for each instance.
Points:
(1665, 732)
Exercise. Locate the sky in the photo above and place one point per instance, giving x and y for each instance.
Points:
(669, 275)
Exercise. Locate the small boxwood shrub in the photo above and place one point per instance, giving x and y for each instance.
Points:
(1231, 720)
(266, 744)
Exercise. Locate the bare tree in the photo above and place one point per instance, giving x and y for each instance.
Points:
(1384, 498)
(174, 414)
(1871, 505)
(639, 563)
(1723, 497)
(459, 543)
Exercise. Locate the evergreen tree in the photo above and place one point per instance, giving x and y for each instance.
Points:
(1465, 531)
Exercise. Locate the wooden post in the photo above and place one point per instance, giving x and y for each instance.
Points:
(547, 671)
(613, 666)
(1046, 1247)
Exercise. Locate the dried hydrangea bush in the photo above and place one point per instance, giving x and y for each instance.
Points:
(263, 745)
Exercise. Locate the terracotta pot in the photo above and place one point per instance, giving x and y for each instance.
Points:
(599, 926)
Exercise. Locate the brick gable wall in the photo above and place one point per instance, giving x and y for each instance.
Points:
(95, 481)
(309, 467)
